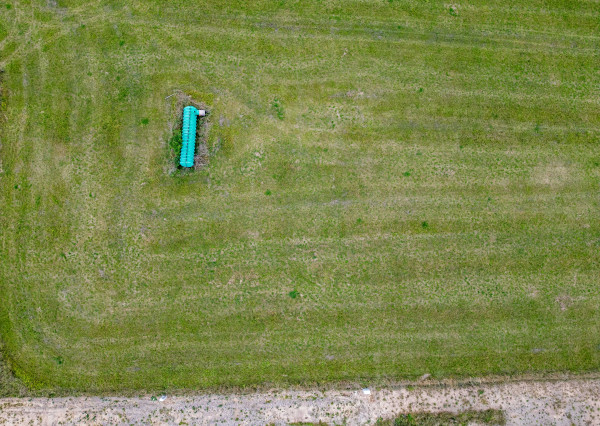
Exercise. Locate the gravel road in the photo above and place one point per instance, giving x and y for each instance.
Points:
(527, 402)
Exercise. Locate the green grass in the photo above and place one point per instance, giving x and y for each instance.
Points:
(395, 188)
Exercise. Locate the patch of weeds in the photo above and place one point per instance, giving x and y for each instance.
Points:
(294, 294)
(278, 108)
(452, 10)
(176, 141)
(424, 224)
(144, 120)
(268, 192)
(420, 90)
(359, 220)
(406, 174)
(124, 94)
(537, 128)
(488, 417)
(121, 42)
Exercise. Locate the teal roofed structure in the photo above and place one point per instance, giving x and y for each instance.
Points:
(188, 135)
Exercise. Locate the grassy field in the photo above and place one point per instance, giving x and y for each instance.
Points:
(395, 188)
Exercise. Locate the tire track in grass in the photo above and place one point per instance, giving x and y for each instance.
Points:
(10, 385)
(420, 38)
(17, 241)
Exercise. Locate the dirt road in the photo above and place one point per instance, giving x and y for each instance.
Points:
(556, 402)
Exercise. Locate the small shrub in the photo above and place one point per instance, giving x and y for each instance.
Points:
(279, 112)
(424, 224)
(294, 294)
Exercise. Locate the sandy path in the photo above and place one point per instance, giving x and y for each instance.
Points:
(558, 402)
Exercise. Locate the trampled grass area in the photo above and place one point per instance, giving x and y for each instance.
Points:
(396, 188)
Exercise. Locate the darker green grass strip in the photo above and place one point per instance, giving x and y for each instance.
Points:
(10, 385)
(486, 417)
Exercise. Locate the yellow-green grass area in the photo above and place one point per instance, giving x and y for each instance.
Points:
(395, 188)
